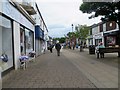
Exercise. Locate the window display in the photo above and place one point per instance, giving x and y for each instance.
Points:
(6, 47)
(29, 36)
(22, 46)
(111, 40)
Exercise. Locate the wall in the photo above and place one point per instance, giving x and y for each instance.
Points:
(17, 53)
(104, 27)
(37, 16)
(8, 10)
(38, 47)
(0, 40)
(0, 6)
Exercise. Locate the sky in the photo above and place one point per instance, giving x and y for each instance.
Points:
(59, 15)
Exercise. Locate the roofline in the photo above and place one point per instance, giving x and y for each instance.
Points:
(41, 15)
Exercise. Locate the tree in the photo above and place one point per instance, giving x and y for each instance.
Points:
(110, 11)
(61, 40)
(82, 31)
(70, 34)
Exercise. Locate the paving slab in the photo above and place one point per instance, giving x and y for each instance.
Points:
(48, 71)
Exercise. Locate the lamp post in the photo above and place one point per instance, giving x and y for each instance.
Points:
(72, 38)
(72, 27)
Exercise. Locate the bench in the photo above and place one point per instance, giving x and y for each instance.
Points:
(108, 50)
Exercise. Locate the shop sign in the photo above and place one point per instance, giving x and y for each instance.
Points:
(13, 13)
(98, 36)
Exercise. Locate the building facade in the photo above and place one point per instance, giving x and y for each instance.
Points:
(17, 31)
(41, 33)
(107, 33)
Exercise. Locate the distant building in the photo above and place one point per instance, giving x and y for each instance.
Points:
(104, 32)
(41, 33)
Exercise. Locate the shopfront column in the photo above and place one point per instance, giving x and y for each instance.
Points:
(17, 53)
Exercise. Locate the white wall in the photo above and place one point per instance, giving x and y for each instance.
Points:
(0, 40)
(37, 16)
(17, 53)
(117, 26)
(104, 27)
(0, 6)
(13, 13)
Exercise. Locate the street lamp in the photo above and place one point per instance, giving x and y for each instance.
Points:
(72, 27)
(72, 37)
(72, 30)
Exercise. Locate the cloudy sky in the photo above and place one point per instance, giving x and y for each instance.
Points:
(60, 14)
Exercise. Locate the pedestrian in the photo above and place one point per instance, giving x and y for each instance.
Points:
(58, 47)
(50, 47)
(21, 47)
(43, 47)
(100, 45)
(73, 44)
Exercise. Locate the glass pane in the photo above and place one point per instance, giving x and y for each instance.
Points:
(6, 43)
(28, 40)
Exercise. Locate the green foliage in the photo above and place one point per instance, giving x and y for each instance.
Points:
(70, 34)
(107, 9)
(61, 40)
(89, 7)
(82, 31)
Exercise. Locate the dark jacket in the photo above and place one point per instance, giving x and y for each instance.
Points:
(58, 46)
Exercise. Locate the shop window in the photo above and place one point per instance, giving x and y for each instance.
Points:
(97, 41)
(101, 27)
(29, 40)
(6, 46)
(111, 40)
(22, 40)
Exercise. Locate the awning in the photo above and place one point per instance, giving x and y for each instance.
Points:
(110, 33)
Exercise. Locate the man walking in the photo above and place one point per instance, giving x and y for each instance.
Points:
(58, 47)
(51, 47)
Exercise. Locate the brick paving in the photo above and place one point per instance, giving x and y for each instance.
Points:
(48, 71)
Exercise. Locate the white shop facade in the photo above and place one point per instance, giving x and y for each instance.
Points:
(16, 35)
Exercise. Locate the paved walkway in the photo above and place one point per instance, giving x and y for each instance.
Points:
(48, 71)
(110, 59)
(73, 69)
(104, 74)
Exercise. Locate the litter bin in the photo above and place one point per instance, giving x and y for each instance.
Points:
(81, 48)
(92, 49)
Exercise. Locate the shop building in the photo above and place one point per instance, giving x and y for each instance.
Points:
(17, 32)
(111, 34)
(93, 30)
(107, 33)
(41, 33)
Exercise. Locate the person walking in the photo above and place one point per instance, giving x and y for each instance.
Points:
(58, 47)
(43, 47)
(51, 47)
